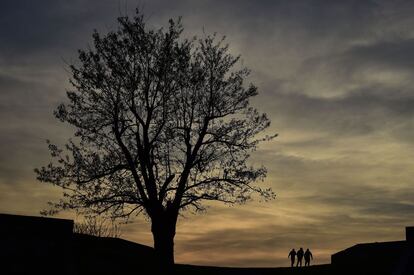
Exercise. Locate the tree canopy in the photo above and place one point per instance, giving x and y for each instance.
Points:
(162, 123)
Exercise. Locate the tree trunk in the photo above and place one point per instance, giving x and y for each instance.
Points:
(163, 231)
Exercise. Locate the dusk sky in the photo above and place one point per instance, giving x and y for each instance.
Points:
(335, 78)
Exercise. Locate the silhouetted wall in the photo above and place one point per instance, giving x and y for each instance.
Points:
(378, 258)
(111, 256)
(37, 245)
(409, 233)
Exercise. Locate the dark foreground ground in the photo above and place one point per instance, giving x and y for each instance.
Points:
(47, 246)
(327, 269)
(207, 270)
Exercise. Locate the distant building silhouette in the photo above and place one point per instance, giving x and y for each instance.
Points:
(394, 258)
(37, 245)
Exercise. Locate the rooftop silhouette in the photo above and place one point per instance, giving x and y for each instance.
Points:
(37, 245)
(396, 257)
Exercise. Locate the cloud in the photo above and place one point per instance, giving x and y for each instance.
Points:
(360, 112)
(41, 33)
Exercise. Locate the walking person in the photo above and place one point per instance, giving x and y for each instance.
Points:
(292, 256)
(308, 256)
(299, 255)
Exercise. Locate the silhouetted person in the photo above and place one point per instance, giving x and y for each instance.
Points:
(308, 256)
(292, 256)
(299, 255)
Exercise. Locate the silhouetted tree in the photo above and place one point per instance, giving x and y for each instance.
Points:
(162, 124)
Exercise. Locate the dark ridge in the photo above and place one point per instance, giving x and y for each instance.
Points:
(211, 270)
(37, 245)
